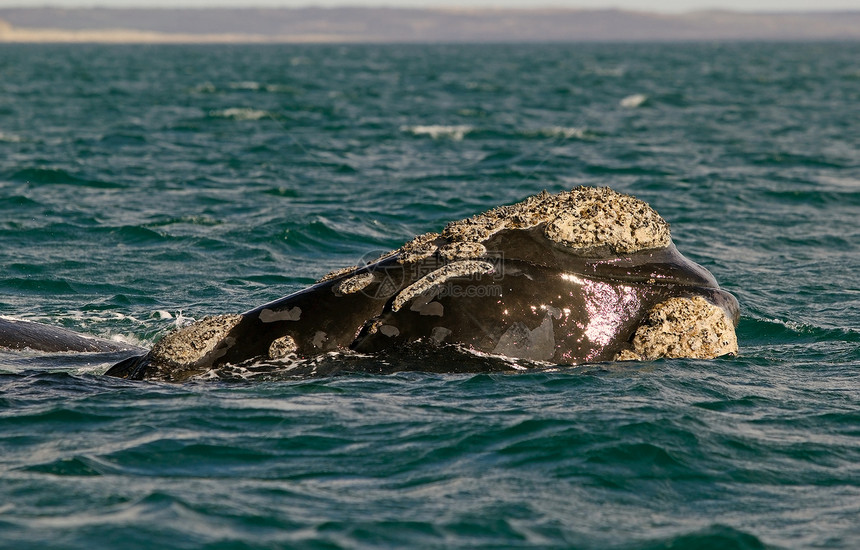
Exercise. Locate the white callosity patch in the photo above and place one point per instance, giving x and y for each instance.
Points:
(522, 342)
(282, 347)
(462, 251)
(425, 305)
(584, 218)
(438, 334)
(320, 338)
(337, 273)
(620, 223)
(422, 246)
(353, 284)
(196, 343)
(440, 276)
(683, 327)
(389, 330)
(270, 316)
(377, 326)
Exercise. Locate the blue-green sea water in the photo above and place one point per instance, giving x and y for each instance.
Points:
(141, 187)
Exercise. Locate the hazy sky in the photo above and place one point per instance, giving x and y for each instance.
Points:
(643, 5)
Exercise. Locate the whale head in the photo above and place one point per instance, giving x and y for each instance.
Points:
(576, 277)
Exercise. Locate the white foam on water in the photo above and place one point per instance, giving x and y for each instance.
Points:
(84, 329)
(564, 132)
(11, 318)
(240, 113)
(609, 71)
(85, 318)
(794, 326)
(282, 89)
(246, 85)
(633, 101)
(516, 363)
(259, 369)
(437, 131)
(204, 88)
(130, 339)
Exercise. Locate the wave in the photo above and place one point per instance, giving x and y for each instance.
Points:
(200, 219)
(283, 192)
(457, 132)
(16, 203)
(562, 132)
(60, 176)
(714, 536)
(786, 158)
(204, 88)
(246, 86)
(36, 286)
(108, 325)
(240, 113)
(770, 331)
(252, 86)
(249, 85)
(9, 138)
(607, 71)
(814, 197)
(439, 131)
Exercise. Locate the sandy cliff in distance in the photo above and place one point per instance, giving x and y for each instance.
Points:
(10, 34)
(126, 36)
(189, 25)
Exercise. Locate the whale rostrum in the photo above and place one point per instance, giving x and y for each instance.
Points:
(576, 277)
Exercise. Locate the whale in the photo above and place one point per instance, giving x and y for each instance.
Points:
(19, 335)
(583, 276)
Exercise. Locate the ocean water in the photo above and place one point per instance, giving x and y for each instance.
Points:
(143, 187)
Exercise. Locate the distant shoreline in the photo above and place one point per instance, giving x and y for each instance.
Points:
(126, 36)
(404, 25)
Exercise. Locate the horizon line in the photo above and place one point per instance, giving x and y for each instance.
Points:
(172, 6)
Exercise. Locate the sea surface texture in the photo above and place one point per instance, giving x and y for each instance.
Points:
(144, 187)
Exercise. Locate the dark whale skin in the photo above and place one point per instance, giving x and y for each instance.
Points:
(27, 335)
(585, 276)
